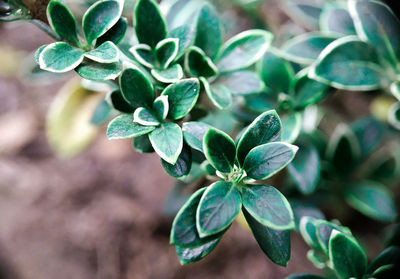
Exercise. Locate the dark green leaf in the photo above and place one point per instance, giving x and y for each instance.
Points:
(276, 72)
(324, 231)
(60, 57)
(243, 50)
(389, 256)
(161, 107)
(136, 88)
(275, 244)
(208, 31)
(240, 82)
(123, 127)
(145, 117)
(194, 132)
(308, 231)
(186, 35)
(99, 71)
(348, 63)
(266, 160)
(143, 54)
(291, 126)
(63, 22)
(142, 144)
(305, 169)
(100, 17)
(368, 132)
(372, 199)
(150, 25)
(115, 34)
(119, 103)
(105, 53)
(305, 48)
(166, 51)
(182, 97)
(198, 64)
(219, 150)
(268, 206)
(189, 255)
(101, 113)
(167, 141)
(265, 128)
(348, 258)
(182, 166)
(219, 205)
(377, 24)
(218, 94)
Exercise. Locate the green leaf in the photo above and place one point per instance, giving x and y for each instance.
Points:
(337, 20)
(394, 115)
(208, 31)
(182, 96)
(189, 255)
(219, 205)
(291, 126)
(198, 64)
(305, 48)
(389, 256)
(99, 71)
(186, 36)
(101, 113)
(182, 166)
(240, 83)
(266, 160)
(307, 91)
(265, 128)
(348, 63)
(308, 231)
(105, 53)
(276, 72)
(62, 21)
(145, 117)
(136, 88)
(149, 24)
(123, 127)
(60, 57)
(100, 17)
(268, 206)
(118, 102)
(167, 141)
(343, 149)
(305, 169)
(166, 51)
(243, 50)
(194, 132)
(142, 144)
(115, 34)
(161, 107)
(347, 257)
(219, 150)
(369, 132)
(218, 94)
(372, 199)
(184, 232)
(275, 244)
(170, 75)
(324, 232)
(378, 25)
(143, 54)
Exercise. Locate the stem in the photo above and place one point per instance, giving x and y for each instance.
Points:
(44, 27)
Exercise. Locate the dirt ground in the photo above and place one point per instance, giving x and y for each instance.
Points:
(99, 214)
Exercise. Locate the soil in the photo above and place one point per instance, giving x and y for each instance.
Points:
(99, 214)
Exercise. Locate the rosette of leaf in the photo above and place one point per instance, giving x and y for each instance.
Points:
(150, 120)
(355, 172)
(222, 68)
(286, 91)
(367, 59)
(158, 49)
(256, 156)
(335, 249)
(94, 55)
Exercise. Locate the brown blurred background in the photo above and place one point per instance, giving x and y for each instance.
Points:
(100, 213)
